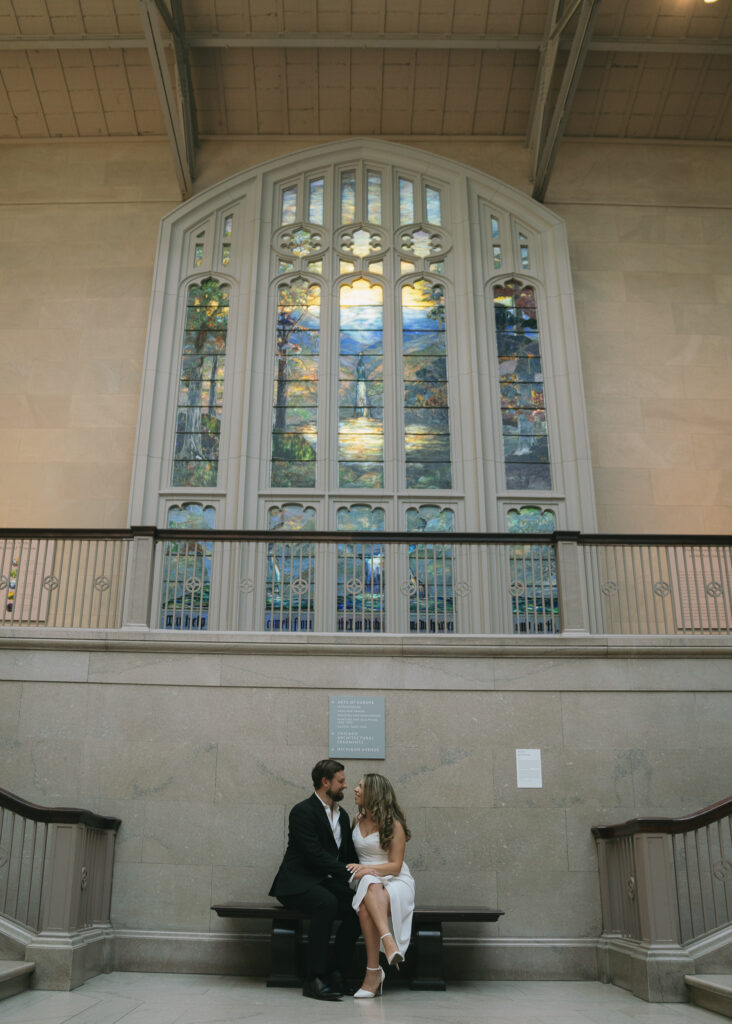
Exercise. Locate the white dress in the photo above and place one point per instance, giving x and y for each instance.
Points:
(400, 887)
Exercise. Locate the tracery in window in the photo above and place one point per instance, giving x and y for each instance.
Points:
(295, 400)
(361, 385)
(361, 572)
(426, 413)
(185, 594)
(201, 386)
(523, 409)
(430, 585)
(289, 595)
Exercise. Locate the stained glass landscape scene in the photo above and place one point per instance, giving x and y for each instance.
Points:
(361, 570)
(426, 413)
(295, 399)
(361, 386)
(201, 386)
(523, 410)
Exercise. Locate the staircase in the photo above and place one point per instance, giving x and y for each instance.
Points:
(14, 977)
(711, 985)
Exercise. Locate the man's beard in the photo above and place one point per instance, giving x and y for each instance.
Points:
(336, 797)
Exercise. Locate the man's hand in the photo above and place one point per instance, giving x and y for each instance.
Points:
(358, 870)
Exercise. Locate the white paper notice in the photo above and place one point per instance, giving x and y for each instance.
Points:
(528, 769)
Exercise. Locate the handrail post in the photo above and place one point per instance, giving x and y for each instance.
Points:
(139, 583)
(571, 588)
(656, 888)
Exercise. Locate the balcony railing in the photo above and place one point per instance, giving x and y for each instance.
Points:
(366, 583)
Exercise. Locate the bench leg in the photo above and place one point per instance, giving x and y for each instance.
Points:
(428, 976)
(285, 943)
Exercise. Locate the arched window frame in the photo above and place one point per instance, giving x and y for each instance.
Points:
(467, 196)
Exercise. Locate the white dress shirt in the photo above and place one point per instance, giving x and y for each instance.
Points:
(334, 817)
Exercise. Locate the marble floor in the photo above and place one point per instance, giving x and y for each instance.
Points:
(209, 999)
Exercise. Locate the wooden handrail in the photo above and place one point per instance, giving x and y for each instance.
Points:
(56, 815)
(669, 826)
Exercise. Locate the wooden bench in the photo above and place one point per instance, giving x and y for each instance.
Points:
(424, 967)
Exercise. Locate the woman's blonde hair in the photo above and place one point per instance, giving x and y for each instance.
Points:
(379, 799)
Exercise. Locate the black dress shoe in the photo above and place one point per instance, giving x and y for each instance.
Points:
(316, 988)
(339, 984)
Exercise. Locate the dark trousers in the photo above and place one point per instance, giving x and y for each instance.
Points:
(324, 903)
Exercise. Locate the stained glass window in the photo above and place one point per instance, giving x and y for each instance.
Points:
(198, 251)
(523, 411)
(201, 387)
(295, 400)
(406, 201)
(406, 266)
(315, 266)
(361, 385)
(284, 265)
(533, 573)
(289, 205)
(373, 202)
(302, 242)
(348, 197)
(433, 205)
(496, 236)
(430, 592)
(421, 243)
(228, 225)
(426, 414)
(226, 254)
(524, 250)
(185, 593)
(376, 266)
(289, 598)
(361, 573)
(317, 201)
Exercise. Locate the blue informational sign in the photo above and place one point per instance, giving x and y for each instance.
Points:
(357, 727)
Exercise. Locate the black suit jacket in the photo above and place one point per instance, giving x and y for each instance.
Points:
(312, 855)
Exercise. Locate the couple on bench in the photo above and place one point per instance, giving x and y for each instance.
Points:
(334, 868)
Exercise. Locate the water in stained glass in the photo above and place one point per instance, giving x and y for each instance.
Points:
(348, 197)
(289, 205)
(361, 572)
(316, 201)
(295, 398)
(373, 189)
(433, 204)
(361, 414)
(185, 590)
(406, 201)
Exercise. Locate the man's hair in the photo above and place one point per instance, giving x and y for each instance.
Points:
(325, 769)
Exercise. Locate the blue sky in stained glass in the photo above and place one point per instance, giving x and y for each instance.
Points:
(289, 205)
(374, 198)
(317, 199)
(406, 201)
(434, 205)
(348, 197)
(430, 518)
(292, 517)
(191, 517)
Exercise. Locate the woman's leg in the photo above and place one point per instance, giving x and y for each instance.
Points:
(378, 904)
(372, 978)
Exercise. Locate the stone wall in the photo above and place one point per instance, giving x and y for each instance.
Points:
(649, 227)
(202, 746)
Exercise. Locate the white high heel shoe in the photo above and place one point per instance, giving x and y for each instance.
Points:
(396, 957)
(363, 993)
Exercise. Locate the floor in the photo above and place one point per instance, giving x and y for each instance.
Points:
(209, 999)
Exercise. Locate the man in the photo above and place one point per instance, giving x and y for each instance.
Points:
(313, 878)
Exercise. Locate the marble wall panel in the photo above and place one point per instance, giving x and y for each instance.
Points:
(144, 895)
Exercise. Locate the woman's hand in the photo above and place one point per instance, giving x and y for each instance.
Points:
(359, 870)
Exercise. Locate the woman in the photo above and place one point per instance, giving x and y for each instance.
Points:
(384, 885)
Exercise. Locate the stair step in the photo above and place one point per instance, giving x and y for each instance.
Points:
(14, 977)
(711, 991)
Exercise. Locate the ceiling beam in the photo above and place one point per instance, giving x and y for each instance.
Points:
(202, 40)
(179, 121)
(546, 140)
